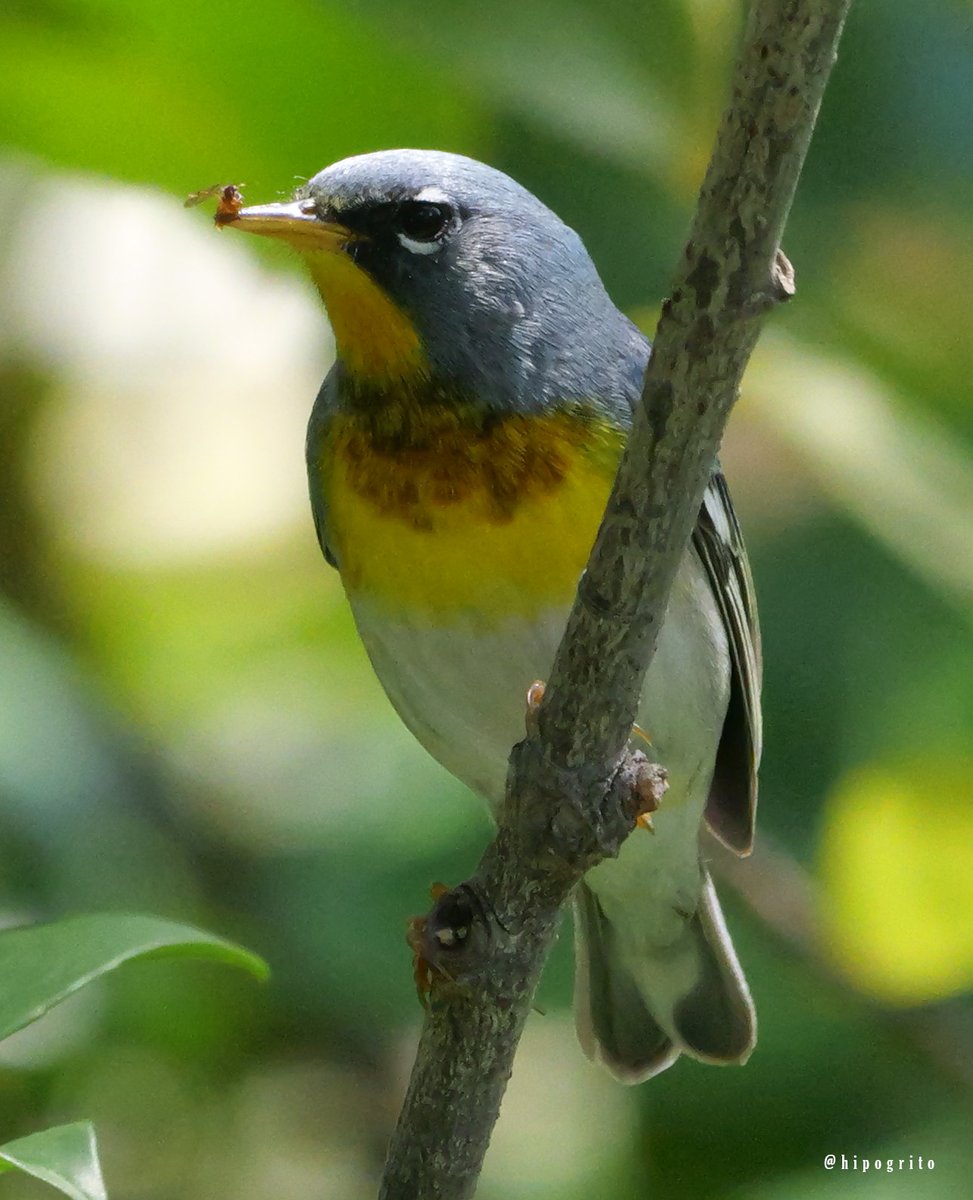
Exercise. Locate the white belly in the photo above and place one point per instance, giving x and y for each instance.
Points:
(461, 688)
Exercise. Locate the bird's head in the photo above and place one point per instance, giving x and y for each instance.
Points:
(433, 266)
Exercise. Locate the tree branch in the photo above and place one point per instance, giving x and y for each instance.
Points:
(574, 789)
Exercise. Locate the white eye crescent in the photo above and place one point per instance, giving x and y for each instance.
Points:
(419, 247)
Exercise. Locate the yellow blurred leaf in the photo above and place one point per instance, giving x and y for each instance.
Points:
(897, 869)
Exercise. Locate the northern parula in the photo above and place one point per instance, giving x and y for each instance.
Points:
(460, 454)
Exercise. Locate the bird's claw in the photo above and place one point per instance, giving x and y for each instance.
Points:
(651, 782)
(535, 694)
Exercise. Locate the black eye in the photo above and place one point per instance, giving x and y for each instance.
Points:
(422, 220)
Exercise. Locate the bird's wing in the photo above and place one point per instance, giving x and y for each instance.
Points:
(317, 429)
(731, 808)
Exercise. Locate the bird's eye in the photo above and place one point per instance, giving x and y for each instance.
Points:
(422, 220)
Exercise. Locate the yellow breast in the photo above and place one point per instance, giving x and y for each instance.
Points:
(492, 523)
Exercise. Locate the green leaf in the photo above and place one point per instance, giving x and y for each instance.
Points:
(219, 91)
(43, 964)
(65, 1157)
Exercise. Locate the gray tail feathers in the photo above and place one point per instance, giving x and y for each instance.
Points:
(638, 1012)
(614, 1025)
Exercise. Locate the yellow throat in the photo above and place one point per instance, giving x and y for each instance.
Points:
(375, 339)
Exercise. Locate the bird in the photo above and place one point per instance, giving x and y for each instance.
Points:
(460, 454)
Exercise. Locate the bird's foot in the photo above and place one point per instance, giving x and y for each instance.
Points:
(644, 818)
(652, 780)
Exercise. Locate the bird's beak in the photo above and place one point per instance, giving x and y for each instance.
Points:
(296, 223)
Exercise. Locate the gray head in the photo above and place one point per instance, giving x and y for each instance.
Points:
(505, 301)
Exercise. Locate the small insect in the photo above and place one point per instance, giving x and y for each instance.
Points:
(230, 200)
(418, 938)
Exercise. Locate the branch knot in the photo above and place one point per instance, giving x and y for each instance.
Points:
(779, 288)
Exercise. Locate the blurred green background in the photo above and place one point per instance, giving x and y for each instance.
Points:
(188, 725)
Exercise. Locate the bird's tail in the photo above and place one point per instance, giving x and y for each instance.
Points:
(638, 1013)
